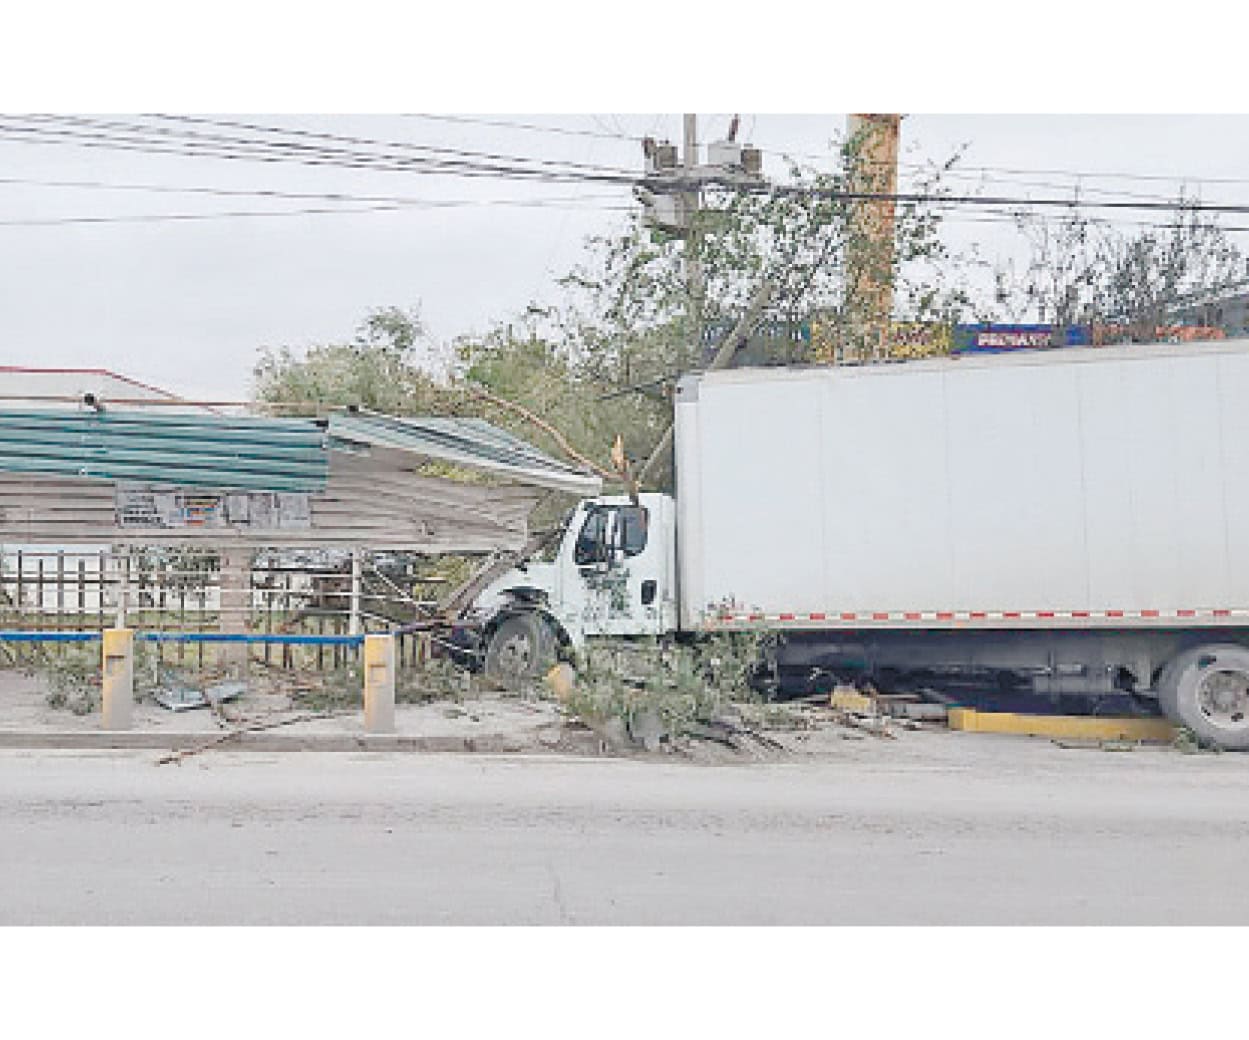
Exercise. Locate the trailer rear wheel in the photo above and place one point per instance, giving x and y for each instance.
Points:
(1207, 690)
(521, 648)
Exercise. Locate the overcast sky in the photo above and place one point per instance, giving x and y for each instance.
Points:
(187, 304)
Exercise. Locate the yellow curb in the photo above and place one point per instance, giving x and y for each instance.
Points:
(1075, 727)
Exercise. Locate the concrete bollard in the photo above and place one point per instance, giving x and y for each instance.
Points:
(118, 687)
(379, 683)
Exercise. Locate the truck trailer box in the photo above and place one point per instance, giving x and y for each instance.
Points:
(1086, 486)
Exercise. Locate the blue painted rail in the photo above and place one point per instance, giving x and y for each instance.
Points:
(20, 636)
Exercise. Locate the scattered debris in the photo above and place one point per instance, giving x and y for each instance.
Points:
(874, 724)
(919, 711)
(186, 698)
(847, 698)
(561, 680)
(1097, 745)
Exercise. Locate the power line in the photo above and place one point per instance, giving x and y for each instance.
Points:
(1075, 204)
(160, 140)
(151, 218)
(509, 125)
(403, 201)
(388, 145)
(220, 146)
(268, 145)
(159, 217)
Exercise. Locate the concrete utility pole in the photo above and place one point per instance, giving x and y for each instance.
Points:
(691, 203)
(870, 256)
(672, 196)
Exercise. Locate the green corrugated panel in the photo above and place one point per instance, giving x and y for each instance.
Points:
(177, 450)
(470, 442)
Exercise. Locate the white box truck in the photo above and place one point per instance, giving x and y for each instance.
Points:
(1053, 523)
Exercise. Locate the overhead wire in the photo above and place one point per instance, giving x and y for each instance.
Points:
(564, 170)
(331, 196)
(193, 144)
(273, 144)
(149, 218)
(401, 146)
(504, 124)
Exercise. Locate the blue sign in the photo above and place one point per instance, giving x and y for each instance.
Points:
(998, 339)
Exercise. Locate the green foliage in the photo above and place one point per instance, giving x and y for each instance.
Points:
(72, 673)
(684, 686)
(544, 375)
(603, 360)
(380, 369)
(1082, 271)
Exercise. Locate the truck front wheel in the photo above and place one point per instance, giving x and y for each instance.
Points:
(1207, 690)
(522, 647)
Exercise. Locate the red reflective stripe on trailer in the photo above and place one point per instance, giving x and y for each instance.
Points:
(972, 615)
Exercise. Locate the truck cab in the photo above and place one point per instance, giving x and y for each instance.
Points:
(614, 573)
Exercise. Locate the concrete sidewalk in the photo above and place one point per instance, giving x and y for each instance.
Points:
(265, 721)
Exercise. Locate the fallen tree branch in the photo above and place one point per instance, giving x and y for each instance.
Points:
(542, 424)
(225, 738)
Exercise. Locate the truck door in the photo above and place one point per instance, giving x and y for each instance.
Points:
(620, 567)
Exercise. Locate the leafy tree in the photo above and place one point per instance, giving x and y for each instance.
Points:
(1129, 282)
(381, 368)
(631, 318)
(603, 360)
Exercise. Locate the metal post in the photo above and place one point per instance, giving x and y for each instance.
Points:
(123, 587)
(60, 588)
(379, 683)
(353, 625)
(118, 687)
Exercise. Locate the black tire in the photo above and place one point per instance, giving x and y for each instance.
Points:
(1206, 689)
(520, 649)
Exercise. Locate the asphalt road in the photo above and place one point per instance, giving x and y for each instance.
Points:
(936, 828)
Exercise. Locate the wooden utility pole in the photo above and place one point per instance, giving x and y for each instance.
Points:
(870, 252)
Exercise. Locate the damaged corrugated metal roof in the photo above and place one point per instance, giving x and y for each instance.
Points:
(260, 454)
(468, 442)
(225, 452)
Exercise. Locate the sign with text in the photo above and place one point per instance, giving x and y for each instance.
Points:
(141, 506)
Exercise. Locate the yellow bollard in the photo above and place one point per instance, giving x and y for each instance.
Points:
(379, 683)
(118, 686)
